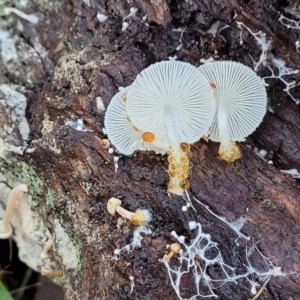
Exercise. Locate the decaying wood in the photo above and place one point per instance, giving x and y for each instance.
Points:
(97, 59)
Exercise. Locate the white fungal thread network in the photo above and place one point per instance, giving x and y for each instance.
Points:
(202, 253)
(276, 66)
(136, 241)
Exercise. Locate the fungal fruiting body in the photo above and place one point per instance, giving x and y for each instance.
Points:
(140, 218)
(174, 249)
(122, 133)
(16, 194)
(228, 151)
(241, 104)
(179, 169)
(173, 101)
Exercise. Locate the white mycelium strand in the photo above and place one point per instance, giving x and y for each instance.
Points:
(121, 131)
(246, 99)
(176, 88)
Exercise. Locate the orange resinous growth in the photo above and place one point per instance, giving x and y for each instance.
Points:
(179, 168)
(148, 137)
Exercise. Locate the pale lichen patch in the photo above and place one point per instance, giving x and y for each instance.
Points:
(65, 248)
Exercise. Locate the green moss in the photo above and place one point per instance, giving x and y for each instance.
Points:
(23, 173)
(51, 198)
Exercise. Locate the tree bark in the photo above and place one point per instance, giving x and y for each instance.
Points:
(74, 58)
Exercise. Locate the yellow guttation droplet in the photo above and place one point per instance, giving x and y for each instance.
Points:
(172, 167)
(178, 166)
(185, 147)
(128, 119)
(185, 168)
(179, 169)
(184, 184)
(183, 176)
(184, 159)
(172, 173)
(124, 97)
(173, 186)
(213, 85)
(148, 137)
(230, 153)
(135, 128)
(170, 158)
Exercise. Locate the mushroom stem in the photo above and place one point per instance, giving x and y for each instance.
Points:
(170, 126)
(224, 133)
(139, 218)
(124, 213)
(15, 194)
(228, 151)
(51, 273)
(47, 248)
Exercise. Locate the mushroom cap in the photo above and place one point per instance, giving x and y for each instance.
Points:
(172, 100)
(245, 94)
(112, 204)
(120, 130)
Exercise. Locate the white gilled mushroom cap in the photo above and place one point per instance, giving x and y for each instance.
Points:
(172, 100)
(120, 130)
(241, 100)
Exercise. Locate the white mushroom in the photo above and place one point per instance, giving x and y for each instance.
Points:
(122, 133)
(241, 104)
(173, 101)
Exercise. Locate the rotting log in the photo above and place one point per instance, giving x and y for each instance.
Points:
(79, 175)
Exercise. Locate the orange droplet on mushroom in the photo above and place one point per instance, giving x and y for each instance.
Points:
(148, 137)
(173, 101)
(122, 133)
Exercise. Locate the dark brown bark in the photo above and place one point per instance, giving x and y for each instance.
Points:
(99, 58)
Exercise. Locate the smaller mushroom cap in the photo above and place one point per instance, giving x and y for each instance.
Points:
(175, 247)
(240, 93)
(121, 131)
(172, 100)
(112, 204)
